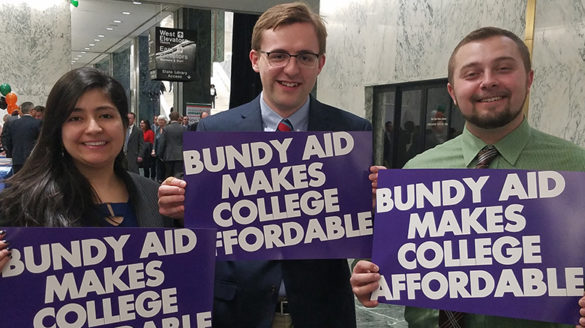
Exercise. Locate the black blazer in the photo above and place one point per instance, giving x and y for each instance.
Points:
(144, 199)
(135, 145)
(318, 291)
(171, 142)
(22, 137)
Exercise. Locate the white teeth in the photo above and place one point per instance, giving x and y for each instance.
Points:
(491, 99)
(289, 84)
(96, 143)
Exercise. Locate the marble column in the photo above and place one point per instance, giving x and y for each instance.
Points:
(35, 47)
(558, 61)
(149, 90)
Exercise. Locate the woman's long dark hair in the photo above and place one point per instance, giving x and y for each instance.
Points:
(49, 190)
(147, 124)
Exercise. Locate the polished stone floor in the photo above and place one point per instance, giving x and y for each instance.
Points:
(384, 315)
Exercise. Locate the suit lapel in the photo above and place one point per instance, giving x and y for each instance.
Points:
(251, 117)
(318, 121)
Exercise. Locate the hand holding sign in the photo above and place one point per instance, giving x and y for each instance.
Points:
(364, 281)
(4, 252)
(374, 178)
(500, 243)
(279, 196)
(128, 277)
(582, 313)
(171, 198)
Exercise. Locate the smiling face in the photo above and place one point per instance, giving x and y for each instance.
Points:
(93, 134)
(286, 88)
(490, 84)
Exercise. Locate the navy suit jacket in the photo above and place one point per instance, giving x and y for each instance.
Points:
(23, 134)
(318, 291)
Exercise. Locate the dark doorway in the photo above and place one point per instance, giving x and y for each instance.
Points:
(416, 116)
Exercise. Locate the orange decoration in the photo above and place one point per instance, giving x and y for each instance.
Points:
(11, 99)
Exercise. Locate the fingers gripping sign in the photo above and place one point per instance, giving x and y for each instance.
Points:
(364, 280)
(171, 198)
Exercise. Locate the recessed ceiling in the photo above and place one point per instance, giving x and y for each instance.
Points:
(100, 27)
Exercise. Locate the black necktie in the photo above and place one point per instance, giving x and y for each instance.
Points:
(453, 319)
(485, 156)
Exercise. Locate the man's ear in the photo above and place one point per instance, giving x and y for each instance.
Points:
(451, 91)
(321, 62)
(530, 79)
(254, 58)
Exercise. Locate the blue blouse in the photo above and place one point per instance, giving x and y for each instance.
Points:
(118, 214)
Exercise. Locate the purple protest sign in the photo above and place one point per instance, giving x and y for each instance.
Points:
(495, 242)
(108, 277)
(295, 195)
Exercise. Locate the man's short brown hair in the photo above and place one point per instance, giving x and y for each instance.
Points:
(174, 116)
(286, 14)
(486, 33)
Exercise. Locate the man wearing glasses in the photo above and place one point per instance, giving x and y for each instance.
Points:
(288, 50)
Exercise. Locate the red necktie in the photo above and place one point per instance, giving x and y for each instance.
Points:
(284, 126)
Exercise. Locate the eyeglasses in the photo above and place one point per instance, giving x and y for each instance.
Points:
(281, 58)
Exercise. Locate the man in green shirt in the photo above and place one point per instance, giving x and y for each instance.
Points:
(489, 79)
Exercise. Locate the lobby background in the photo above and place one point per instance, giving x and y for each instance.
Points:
(375, 42)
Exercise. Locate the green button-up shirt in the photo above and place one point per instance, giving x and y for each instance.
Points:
(524, 148)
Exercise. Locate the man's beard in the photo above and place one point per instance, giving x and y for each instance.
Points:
(494, 121)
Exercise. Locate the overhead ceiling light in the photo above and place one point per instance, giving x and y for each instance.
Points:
(83, 52)
(92, 44)
(137, 2)
(100, 36)
(109, 28)
(125, 13)
(86, 48)
(97, 40)
(117, 21)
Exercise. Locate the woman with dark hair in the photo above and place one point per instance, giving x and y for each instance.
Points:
(75, 175)
(147, 159)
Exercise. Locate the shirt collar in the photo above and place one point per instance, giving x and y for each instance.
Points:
(270, 120)
(509, 148)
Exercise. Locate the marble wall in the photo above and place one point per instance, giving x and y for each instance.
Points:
(559, 69)
(35, 47)
(104, 65)
(149, 90)
(376, 42)
(121, 69)
(217, 35)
